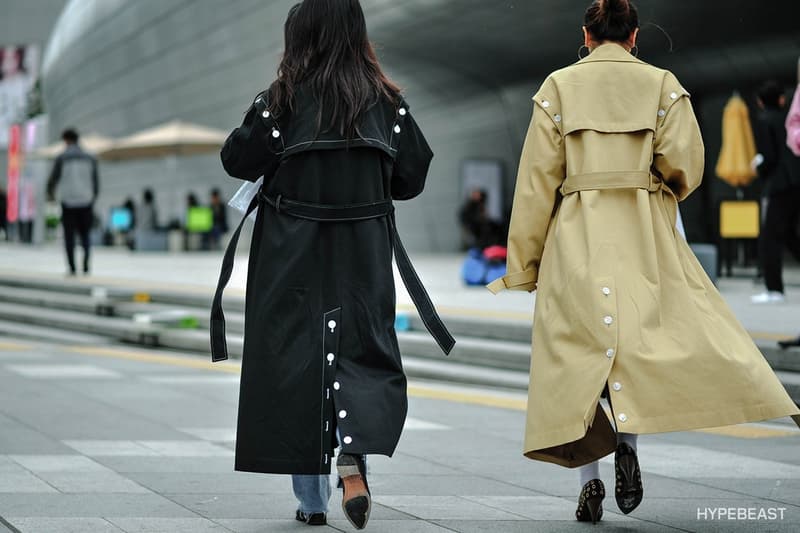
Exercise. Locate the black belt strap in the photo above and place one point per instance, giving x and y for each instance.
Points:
(327, 213)
(219, 345)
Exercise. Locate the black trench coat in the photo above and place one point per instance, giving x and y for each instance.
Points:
(320, 350)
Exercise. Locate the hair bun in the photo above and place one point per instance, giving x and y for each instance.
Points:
(611, 20)
(615, 7)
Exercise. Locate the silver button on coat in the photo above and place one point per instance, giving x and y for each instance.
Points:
(610, 353)
(617, 386)
(608, 320)
(623, 417)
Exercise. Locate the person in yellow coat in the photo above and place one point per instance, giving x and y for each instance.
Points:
(623, 307)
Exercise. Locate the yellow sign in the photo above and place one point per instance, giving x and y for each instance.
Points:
(739, 220)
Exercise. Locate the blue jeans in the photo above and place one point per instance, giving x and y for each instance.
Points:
(313, 492)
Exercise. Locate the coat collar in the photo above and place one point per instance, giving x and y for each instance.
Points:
(610, 52)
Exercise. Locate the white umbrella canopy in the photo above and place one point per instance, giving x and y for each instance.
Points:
(92, 143)
(169, 139)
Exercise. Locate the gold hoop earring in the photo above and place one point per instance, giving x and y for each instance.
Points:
(581, 49)
(635, 54)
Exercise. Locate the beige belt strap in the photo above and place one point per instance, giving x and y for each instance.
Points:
(611, 180)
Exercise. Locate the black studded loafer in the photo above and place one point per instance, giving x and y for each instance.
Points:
(628, 490)
(315, 519)
(356, 501)
(590, 502)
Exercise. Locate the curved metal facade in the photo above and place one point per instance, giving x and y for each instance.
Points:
(469, 68)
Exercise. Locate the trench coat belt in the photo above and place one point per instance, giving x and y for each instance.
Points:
(611, 180)
(330, 214)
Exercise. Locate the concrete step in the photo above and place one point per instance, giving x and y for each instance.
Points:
(116, 328)
(116, 292)
(502, 345)
(506, 330)
(469, 350)
(19, 330)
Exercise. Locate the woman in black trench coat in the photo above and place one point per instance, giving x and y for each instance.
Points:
(336, 143)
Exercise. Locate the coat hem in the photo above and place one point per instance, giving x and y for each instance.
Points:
(706, 419)
(576, 445)
(283, 467)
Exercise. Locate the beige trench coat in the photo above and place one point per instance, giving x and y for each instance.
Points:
(622, 301)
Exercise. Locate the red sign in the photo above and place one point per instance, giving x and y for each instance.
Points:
(14, 154)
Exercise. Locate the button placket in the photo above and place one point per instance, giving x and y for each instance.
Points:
(331, 330)
(608, 316)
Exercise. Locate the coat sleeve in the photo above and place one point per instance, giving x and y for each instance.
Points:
(249, 151)
(413, 160)
(793, 124)
(542, 171)
(678, 151)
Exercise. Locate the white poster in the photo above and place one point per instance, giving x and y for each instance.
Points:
(18, 72)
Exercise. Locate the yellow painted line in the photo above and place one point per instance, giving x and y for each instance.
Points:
(744, 431)
(162, 359)
(761, 336)
(485, 400)
(14, 347)
(750, 431)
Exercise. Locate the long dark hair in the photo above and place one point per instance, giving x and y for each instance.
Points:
(611, 20)
(327, 51)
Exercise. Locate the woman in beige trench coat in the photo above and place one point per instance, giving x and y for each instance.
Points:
(623, 306)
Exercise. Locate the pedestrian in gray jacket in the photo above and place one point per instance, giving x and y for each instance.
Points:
(74, 178)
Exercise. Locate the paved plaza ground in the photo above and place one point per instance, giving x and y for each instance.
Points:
(110, 438)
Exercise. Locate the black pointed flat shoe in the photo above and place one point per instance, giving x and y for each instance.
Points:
(590, 502)
(628, 489)
(356, 501)
(315, 519)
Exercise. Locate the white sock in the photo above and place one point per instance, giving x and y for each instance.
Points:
(589, 472)
(628, 438)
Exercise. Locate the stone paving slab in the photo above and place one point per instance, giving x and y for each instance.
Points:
(395, 526)
(458, 467)
(16, 482)
(64, 525)
(223, 483)
(253, 525)
(168, 525)
(540, 508)
(463, 526)
(198, 465)
(90, 505)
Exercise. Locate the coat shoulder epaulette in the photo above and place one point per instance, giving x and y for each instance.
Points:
(548, 101)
